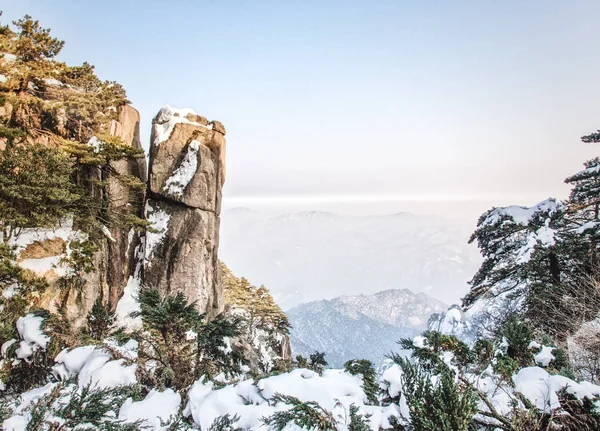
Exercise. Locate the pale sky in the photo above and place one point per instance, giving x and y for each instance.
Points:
(416, 104)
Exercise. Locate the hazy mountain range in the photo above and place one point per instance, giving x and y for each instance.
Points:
(362, 326)
(313, 255)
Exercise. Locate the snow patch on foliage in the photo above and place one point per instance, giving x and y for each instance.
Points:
(177, 183)
(542, 389)
(156, 407)
(70, 362)
(29, 328)
(107, 234)
(95, 143)
(545, 356)
(335, 391)
(520, 214)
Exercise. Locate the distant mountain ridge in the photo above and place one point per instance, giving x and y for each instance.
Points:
(312, 255)
(361, 326)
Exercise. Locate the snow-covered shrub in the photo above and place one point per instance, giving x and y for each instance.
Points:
(308, 415)
(364, 368)
(441, 403)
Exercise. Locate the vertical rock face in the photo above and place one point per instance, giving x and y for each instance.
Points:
(115, 261)
(187, 171)
(121, 258)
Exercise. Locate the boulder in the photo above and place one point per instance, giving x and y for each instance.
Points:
(185, 168)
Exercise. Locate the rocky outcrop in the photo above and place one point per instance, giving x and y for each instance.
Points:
(121, 259)
(186, 175)
(114, 262)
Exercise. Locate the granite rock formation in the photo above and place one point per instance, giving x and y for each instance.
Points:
(186, 174)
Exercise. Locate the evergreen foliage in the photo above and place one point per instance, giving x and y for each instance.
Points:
(364, 368)
(225, 423)
(36, 188)
(308, 415)
(184, 344)
(262, 311)
(444, 405)
(17, 284)
(69, 407)
(358, 422)
(100, 321)
(50, 111)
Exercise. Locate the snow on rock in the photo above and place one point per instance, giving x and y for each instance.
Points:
(156, 407)
(181, 177)
(542, 389)
(159, 220)
(107, 234)
(29, 328)
(45, 264)
(167, 118)
(128, 303)
(30, 235)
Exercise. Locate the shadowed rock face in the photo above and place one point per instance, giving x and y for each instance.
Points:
(121, 259)
(187, 171)
(114, 262)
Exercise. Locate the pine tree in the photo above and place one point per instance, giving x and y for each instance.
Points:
(443, 406)
(184, 344)
(582, 230)
(519, 249)
(36, 189)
